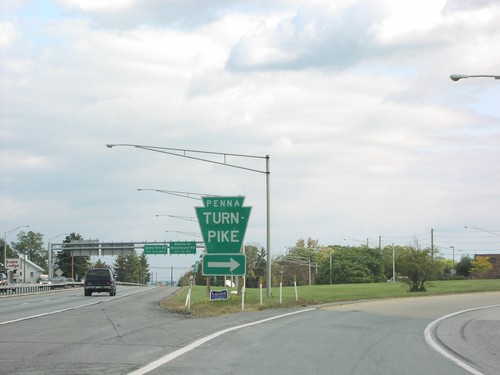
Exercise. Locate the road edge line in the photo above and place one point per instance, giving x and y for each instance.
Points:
(438, 348)
(177, 353)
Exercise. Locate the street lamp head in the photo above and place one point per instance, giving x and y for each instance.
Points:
(456, 77)
(109, 145)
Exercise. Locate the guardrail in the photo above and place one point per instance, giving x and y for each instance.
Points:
(35, 288)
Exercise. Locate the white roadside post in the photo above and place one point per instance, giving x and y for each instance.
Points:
(188, 297)
(295, 286)
(260, 288)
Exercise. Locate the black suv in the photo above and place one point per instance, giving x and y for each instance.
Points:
(99, 280)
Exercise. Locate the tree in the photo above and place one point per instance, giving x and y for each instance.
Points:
(9, 251)
(132, 268)
(298, 262)
(464, 266)
(30, 245)
(256, 265)
(72, 266)
(120, 268)
(144, 272)
(480, 266)
(351, 265)
(101, 264)
(418, 266)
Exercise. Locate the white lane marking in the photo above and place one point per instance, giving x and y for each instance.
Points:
(434, 345)
(67, 309)
(171, 356)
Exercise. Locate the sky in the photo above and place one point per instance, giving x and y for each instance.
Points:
(368, 138)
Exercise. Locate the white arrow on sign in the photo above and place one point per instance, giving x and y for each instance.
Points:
(232, 264)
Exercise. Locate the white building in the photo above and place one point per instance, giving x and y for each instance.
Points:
(28, 271)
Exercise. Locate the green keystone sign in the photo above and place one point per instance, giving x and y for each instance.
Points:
(224, 264)
(155, 249)
(223, 223)
(182, 247)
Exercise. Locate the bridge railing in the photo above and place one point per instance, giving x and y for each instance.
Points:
(35, 288)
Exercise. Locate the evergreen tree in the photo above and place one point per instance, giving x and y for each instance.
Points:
(72, 266)
(144, 272)
(464, 266)
(120, 268)
(132, 268)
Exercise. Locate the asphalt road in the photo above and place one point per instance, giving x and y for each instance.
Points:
(121, 335)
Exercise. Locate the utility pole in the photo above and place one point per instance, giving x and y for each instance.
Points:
(432, 243)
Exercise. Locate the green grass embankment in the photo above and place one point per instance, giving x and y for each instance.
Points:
(201, 306)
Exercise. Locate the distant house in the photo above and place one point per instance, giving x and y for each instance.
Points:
(494, 259)
(28, 271)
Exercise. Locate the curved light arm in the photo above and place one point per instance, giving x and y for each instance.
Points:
(182, 232)
(188, 218)
(184, 154)
(456, 77)
(16, 228)
(495, 232)
(183, 194)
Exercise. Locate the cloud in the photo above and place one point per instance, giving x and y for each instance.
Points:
(7, 34)
(366, 132)
(465, 5)
(130, 14)
(313, 38)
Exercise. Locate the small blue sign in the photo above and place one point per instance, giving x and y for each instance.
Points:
(218, 294)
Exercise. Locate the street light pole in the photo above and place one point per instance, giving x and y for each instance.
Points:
(456, 77)
(184, 154)
(5, 234)
(393, 265)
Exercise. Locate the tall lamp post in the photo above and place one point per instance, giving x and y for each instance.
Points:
(456, 77)
(5, 234)
(183, 153)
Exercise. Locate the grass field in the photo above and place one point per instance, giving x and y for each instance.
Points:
(201, 306)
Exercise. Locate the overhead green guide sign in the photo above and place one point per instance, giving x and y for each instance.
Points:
(155, 249)
(182, 247)
(223, 223)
